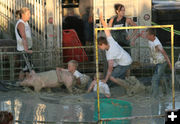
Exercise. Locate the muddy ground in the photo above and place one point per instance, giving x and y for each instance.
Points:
(57, 106)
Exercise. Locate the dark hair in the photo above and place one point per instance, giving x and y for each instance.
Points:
(102, 40)
(118, 7)
(5, 117)
(21, 11)
(151, 31)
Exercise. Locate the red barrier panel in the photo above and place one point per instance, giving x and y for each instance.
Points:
(70, 39)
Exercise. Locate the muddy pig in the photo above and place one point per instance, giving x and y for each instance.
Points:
(49, 79)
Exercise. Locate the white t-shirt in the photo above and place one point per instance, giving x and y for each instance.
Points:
(117, 53)
(20, 46)
(103, 88)
(83, 78)
(157, 56)
(77, 74)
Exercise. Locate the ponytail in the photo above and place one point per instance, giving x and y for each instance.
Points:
(20, 12)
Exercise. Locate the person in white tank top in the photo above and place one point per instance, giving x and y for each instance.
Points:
(24, 39)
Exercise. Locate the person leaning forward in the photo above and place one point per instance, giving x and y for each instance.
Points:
(118, 59)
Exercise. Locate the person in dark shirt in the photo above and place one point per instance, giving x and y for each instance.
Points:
(72, 21)
(121, 36)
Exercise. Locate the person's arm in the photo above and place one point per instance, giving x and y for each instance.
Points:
(61, 69)
(131, 23)
(58, 74)
(142, 34)
(91, 86)
(21, 29)
(111, 22)
(107, 32)
(109, 71)
(164, 54)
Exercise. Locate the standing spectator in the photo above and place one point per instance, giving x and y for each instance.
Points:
(121, 36)
(86, 13)
(24, 39)
(72, 21)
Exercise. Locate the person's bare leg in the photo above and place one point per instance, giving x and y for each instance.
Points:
(119, 82)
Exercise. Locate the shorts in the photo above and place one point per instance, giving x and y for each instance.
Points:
(26, 63)
(118, 72)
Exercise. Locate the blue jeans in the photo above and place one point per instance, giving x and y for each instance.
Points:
(158, 74)
(118, 72)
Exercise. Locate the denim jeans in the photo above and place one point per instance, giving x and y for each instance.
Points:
(118, 72)
(158, 74)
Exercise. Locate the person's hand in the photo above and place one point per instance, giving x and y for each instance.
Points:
(90, 19)
(132, 43)
(170, 66)
(60, 69)
(29, 51)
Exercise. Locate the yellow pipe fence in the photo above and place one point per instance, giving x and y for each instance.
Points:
(136, 27)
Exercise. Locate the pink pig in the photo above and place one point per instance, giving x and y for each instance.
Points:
(50, 79)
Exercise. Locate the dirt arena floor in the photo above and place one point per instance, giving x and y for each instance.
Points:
(57, 106)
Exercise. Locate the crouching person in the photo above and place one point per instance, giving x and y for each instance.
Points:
(81, 79)
(103, 87)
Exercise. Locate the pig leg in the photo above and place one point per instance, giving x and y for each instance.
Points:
(38, 83)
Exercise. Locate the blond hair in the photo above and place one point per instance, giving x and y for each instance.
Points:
(74, 62)
(21, 11)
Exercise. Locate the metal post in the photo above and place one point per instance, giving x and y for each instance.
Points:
(97, 74)
(172, 61)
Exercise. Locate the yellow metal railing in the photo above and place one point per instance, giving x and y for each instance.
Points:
(136, 27)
